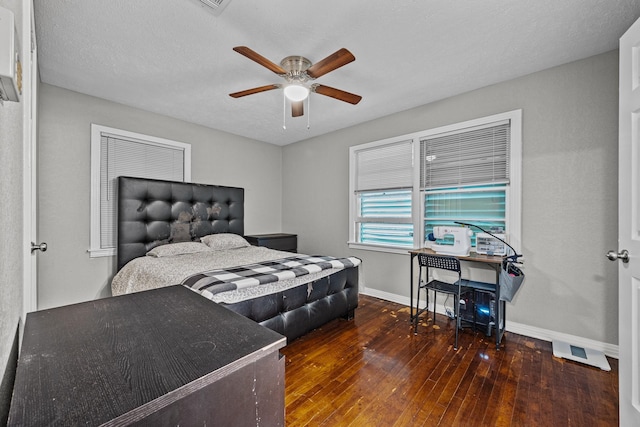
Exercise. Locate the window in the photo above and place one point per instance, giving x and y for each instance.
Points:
(382, 185)
(115, 153)
(385, 218)
(464, 175)
(467, 172)
(484, 206)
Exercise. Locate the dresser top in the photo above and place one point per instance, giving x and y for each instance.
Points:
(124, 357)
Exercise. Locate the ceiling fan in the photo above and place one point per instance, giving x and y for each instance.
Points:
(298, 71)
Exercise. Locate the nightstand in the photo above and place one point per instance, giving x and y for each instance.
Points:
(279, 241)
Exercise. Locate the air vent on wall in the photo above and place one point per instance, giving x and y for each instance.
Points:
(215, 6)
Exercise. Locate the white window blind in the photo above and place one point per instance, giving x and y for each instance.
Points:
(385, 218)
(123, 157)
(117, 153)
(384, 167)
(474, 156)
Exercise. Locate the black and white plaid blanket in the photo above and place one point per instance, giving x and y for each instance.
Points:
(212, 282)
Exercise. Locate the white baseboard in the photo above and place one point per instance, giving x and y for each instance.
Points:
(610, 350)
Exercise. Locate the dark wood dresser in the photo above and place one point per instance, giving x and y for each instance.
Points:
(164, 357)
(279, 241)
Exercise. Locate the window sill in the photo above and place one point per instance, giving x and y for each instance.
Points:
(99, 252)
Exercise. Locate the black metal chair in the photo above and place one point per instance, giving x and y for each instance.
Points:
(442, 262)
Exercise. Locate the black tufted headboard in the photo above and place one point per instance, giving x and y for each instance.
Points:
(153, 212)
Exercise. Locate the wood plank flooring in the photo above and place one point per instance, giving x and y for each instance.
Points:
(373, 371)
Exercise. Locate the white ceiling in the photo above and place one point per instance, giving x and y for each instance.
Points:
(175, 58)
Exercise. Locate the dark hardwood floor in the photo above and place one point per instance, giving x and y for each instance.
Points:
(373, 371)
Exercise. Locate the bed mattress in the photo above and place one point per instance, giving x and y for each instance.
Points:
(149, 272)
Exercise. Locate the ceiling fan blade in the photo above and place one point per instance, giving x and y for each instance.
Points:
(341, 95)
(255, 56)
(254, 90)
(330, 63)
(297, 108)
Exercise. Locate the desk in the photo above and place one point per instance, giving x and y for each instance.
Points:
(494, 262)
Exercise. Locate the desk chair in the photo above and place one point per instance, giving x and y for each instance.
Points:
(442, 262)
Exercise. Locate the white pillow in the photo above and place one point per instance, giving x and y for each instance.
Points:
(221, 241)
(181, 248)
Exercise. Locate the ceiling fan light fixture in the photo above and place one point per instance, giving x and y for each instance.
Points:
(295, 92)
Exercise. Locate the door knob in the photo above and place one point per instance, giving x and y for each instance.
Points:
(623, 255)
(41, 247)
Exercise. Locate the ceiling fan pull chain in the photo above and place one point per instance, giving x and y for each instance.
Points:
(308, 112)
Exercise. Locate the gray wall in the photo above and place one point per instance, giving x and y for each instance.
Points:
(569, 219)
(569, 189)
(66, 273)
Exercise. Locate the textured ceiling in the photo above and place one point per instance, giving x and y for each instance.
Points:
(175, 58)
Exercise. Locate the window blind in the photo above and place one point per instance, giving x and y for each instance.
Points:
(470, 157)
(385, 204)
(384, 181)
(129, 157)
(384, 167)
(484, 206)
(386, 234)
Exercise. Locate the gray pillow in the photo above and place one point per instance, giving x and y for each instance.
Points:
(222, 241)
(181, 248)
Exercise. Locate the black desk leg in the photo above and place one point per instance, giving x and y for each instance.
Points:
(411, 289)
(500, 310)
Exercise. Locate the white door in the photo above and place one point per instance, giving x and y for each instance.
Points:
(628, 252)
(30, 108)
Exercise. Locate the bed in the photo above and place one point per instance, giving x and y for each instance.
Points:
(183, 233)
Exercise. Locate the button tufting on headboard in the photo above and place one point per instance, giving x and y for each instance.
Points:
(154, 212)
